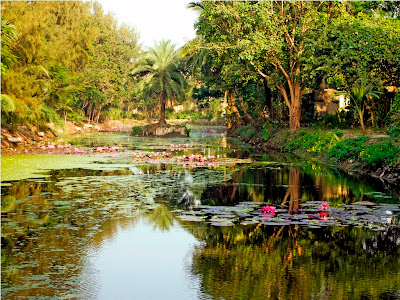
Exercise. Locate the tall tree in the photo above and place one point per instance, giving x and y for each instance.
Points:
(272, 36)
(72, 58)
(159, 74)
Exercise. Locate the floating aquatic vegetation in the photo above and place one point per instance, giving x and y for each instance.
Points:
(313, 214)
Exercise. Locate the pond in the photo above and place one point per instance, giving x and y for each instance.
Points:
(201, 217)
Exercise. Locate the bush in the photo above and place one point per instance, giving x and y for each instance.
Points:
(137, 130)
(138, 117)
(246, 132)
(266, 131)
(187, 130)
(393, 117)
(348, 149)
(342, 119)
(313, 141)
(376, 155)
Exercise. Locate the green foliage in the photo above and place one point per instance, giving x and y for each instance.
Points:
(360, 94)
(342, 119)
(361, 46)
(246, 132)
(48, 115)
(348, 149)
(393, 117)
(137, 130)
(376, 155)
(266, 131)
(187, 130)
(311, 141)
(138, 116)
(160, 75)
(9, 35)
(265, 134)
(70, 58)
(7, 104)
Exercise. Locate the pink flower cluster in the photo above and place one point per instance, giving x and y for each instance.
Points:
(52, 146)
(199, 158)
(78, 151)
(107, 149)
(324, 205)
(322, 214)
(268, 209)
(151, 156)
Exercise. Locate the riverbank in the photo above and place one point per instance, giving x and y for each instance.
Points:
(23, 135)
(372, 153)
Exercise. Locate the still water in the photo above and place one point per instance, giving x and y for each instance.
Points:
(101, 225)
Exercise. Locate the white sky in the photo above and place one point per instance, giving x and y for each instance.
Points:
(155, 19)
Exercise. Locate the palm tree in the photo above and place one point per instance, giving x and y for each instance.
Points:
(159, 73)
(359, 95)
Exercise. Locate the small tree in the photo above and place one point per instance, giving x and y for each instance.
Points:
(359, 95)
(159, 74)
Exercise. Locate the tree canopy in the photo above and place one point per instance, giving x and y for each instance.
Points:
(292, 44)
(63, 58)
(160, 75)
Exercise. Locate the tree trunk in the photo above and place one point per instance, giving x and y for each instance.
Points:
(247, 117)
(361, 117)
(295, 105)
(372, 112)
(162, 110)
(268, 99)
(234, 117)
(228, 110)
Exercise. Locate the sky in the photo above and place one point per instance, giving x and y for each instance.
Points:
(155, 19)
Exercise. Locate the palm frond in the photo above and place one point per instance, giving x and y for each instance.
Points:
(7, 103)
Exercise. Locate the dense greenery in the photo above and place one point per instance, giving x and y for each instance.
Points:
(336, 146)
(160, 75)
(263, 59)
(283, 50)
(63, 59)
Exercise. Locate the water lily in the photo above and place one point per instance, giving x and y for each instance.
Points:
(323, 215)
(324, 205)
(268, 209)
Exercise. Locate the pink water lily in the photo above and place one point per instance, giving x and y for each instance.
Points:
(268, 209)
(323, 215)
(324, 205)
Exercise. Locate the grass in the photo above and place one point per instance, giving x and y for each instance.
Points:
(339, 146)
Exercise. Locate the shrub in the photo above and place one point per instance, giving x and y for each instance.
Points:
(313, 141)
(137, 130)
(381, 153)
(393, 117)
(266, 131)
(246, 132)
(138, 117)
(348, 149)
(187, 130)
(265, 134)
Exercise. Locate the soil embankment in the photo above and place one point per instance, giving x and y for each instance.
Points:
(23, 136)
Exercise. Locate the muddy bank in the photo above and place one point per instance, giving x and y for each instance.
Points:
(23, 136)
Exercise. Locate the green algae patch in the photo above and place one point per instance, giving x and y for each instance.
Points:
(19, 167)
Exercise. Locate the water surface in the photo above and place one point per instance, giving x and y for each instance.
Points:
(105, 226)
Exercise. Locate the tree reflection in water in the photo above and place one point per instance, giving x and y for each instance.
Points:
(47, 227)
(290, 262)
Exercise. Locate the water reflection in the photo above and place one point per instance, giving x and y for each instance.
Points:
(290, 262)
(145, 260)
(293, 185)
(100, 233)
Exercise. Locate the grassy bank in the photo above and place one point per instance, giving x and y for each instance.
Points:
(370, 153)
